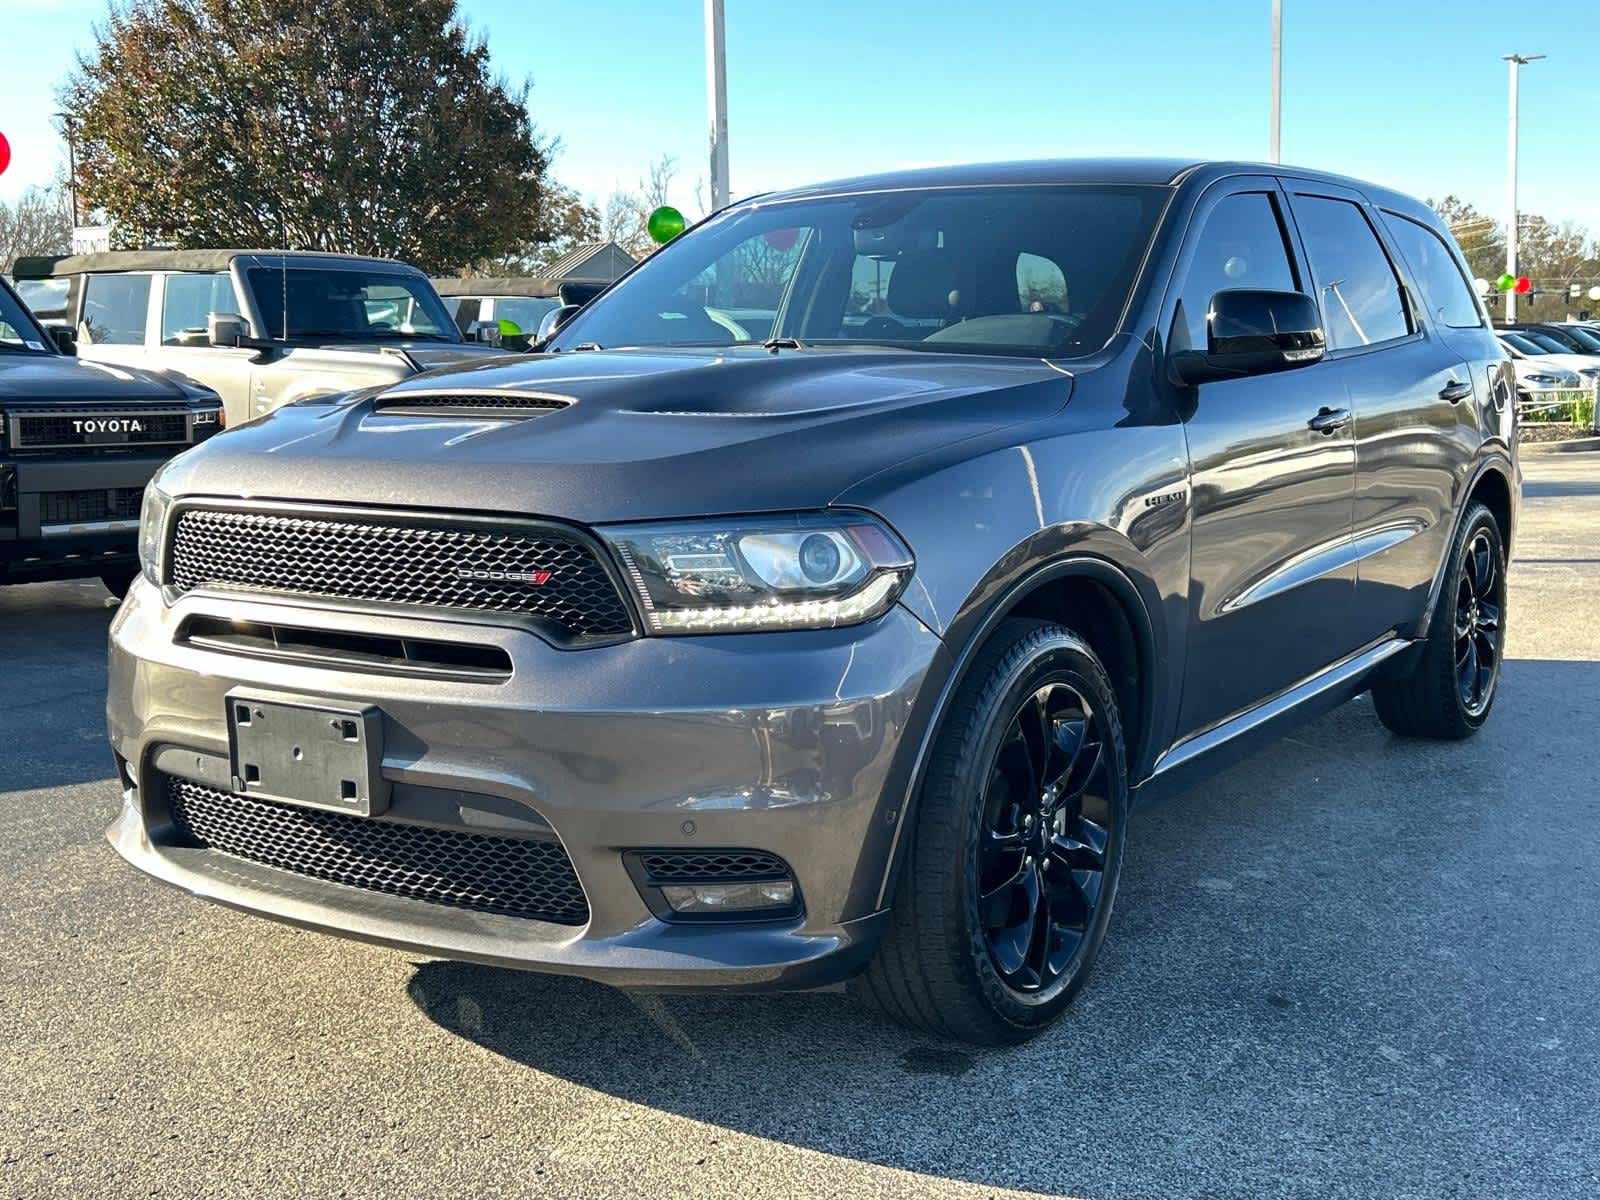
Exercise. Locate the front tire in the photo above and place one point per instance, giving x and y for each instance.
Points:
(119, 579)
(1448, 693)
(1006, 891)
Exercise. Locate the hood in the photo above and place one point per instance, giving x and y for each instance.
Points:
(638, 434)
(47, 378)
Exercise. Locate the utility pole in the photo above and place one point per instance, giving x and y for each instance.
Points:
(717, 102)
(72, 163)
(1277, 80)
(1516, 61)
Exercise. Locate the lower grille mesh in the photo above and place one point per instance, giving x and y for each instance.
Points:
(483, 872)
(99, 504)
(669, 866)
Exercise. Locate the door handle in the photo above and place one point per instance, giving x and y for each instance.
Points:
(1330, 420)
(1455, 392)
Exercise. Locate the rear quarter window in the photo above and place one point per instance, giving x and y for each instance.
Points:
(1445, 291)
(115, 309)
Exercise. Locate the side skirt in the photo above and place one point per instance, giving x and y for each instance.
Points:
(1204, 754)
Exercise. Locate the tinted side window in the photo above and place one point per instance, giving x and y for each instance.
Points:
(1240, 245)
(114, 310)
(190, 299)
(1361, 298)
(1444, 289)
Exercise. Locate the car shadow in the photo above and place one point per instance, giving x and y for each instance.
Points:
(53, 683)
(1352, 960)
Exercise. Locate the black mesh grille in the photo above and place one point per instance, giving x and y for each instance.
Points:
(484, 872)
(88, 428)
(665, 866)
(547, 574)
(99, 504)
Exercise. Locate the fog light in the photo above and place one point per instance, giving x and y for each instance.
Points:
(729, 897)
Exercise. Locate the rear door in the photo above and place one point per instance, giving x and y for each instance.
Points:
(1412, 399)
(1272, 582)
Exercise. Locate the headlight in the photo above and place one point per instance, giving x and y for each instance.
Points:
(800, 571)
(152, 530)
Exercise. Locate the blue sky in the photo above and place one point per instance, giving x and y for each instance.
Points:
(1411, 93)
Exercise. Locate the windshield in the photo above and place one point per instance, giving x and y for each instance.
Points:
(1517, 342)
(343, 303)
(1584, 337)
(1036, 272)
(1546, 343)
(18, 334)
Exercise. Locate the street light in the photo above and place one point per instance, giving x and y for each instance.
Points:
(717, 102)
(1516, 61)
(1277, 78)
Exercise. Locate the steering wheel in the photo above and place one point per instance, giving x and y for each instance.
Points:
(883, 327)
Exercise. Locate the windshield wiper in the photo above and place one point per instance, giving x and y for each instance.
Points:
(783, 343)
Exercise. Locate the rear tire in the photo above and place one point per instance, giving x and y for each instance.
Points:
(1449, 691)
(1011, 870)
(119, 579)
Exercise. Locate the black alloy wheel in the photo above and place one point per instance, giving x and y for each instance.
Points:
(1479, 603)
(1047, 825)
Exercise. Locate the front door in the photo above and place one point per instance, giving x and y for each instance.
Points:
(1272, 462)
(187, 301)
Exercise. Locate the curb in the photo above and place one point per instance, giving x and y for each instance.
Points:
(1571, 446)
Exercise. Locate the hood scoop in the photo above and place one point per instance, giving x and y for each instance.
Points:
(463, 402)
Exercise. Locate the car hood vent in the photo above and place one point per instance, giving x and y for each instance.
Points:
(453, 403)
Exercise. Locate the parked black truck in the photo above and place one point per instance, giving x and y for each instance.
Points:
(78, 442)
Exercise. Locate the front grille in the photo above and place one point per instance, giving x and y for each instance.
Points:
(668, 866)
(548, 575)
(98, 504)
(44, 430)
(515, 877)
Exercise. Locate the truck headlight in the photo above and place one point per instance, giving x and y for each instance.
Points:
(152, 530)
(744, 574)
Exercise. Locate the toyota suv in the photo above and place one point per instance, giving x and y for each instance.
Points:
(678, 655)
(260, 327)
(78, 443)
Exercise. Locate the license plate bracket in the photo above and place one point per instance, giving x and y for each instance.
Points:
(309, 753)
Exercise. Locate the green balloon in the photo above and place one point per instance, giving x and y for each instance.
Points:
(665, 224)
(1506, 282)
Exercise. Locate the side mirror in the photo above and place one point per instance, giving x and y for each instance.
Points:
(485, 333)
(227, 329)
(555, 319)
(63, 337)
(1254, 333)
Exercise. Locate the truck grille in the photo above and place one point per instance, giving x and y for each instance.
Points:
(98, 504)
(515, 877)
(545, 574)
(35, 430)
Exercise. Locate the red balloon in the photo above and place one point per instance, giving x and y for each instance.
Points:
(783, 240)
(1524, 284)
(5, 154)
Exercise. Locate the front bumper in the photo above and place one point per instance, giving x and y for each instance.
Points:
(33, 545)
(798, 744)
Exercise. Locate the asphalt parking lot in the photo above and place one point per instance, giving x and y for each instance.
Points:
(1351, 966)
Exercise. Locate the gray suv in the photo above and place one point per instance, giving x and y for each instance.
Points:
(260, 327)
(837, 644)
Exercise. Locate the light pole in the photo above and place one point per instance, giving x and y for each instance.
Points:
(72, 163)
(717, 102)
(1516, 61)
(1277, 78)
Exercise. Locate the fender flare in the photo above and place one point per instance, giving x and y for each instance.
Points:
(1073, 564)
(1500, 464)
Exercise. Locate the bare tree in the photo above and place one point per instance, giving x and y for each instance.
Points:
(626, 216)
(38, 223)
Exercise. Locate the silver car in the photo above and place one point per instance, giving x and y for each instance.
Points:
(262, 328)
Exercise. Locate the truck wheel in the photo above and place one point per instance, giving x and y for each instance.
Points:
(1006, 890)
(1450, 689)
(119, 579)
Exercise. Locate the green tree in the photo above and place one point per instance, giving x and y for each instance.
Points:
(361, 126)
